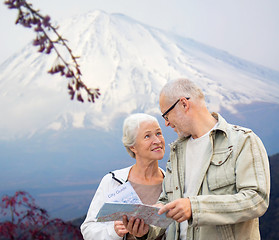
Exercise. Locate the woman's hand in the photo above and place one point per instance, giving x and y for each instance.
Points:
(120, 228)
(135, 226)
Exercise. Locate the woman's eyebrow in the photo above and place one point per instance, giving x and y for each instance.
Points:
(149, 131)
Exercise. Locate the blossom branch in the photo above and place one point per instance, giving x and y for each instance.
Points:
(29, 17)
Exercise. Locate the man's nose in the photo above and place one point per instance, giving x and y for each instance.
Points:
(167, 123)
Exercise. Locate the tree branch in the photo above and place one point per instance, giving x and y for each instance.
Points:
(31, 18)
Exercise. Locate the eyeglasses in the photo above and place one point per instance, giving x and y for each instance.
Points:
(171, 107)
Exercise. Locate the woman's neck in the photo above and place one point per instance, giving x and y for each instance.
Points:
(148, 174)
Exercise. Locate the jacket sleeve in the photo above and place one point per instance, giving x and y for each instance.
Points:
(250, 197)
(92, 230)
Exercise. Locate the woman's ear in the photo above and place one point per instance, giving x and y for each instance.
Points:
(132, 149)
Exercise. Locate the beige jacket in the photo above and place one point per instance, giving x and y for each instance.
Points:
(233, 189)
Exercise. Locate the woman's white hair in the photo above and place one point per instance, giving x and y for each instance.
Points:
(131, 126)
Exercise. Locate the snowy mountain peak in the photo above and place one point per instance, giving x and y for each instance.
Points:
(129, 62)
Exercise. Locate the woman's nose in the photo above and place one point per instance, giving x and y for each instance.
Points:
(156, 139)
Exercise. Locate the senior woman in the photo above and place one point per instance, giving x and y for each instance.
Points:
(143, 139)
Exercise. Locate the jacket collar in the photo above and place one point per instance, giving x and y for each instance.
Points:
(221, 126)
(122, 174)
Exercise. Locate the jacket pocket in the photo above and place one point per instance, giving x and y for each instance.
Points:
(225, 232)
(221, 171)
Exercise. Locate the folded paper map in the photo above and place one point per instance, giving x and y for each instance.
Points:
(112, 211)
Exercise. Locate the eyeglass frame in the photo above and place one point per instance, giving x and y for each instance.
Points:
(170, 108)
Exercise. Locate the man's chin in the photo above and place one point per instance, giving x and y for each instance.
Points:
(182, 135)
(179, 133)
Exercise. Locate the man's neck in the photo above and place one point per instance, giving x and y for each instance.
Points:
(204, 122)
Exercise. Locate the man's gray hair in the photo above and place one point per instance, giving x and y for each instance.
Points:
(131, 126)
(181, 87)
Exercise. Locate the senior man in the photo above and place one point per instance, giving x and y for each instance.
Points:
(217, 179)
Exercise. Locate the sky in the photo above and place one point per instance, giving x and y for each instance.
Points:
(244, 28)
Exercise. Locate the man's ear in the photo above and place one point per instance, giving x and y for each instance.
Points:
(185, 103)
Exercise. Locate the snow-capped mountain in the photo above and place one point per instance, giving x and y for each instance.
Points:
(58, 149)
(129, 62)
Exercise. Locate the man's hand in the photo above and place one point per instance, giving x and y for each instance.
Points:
(179, 209)
(135, 226)
(158, 205)
(120, 228)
